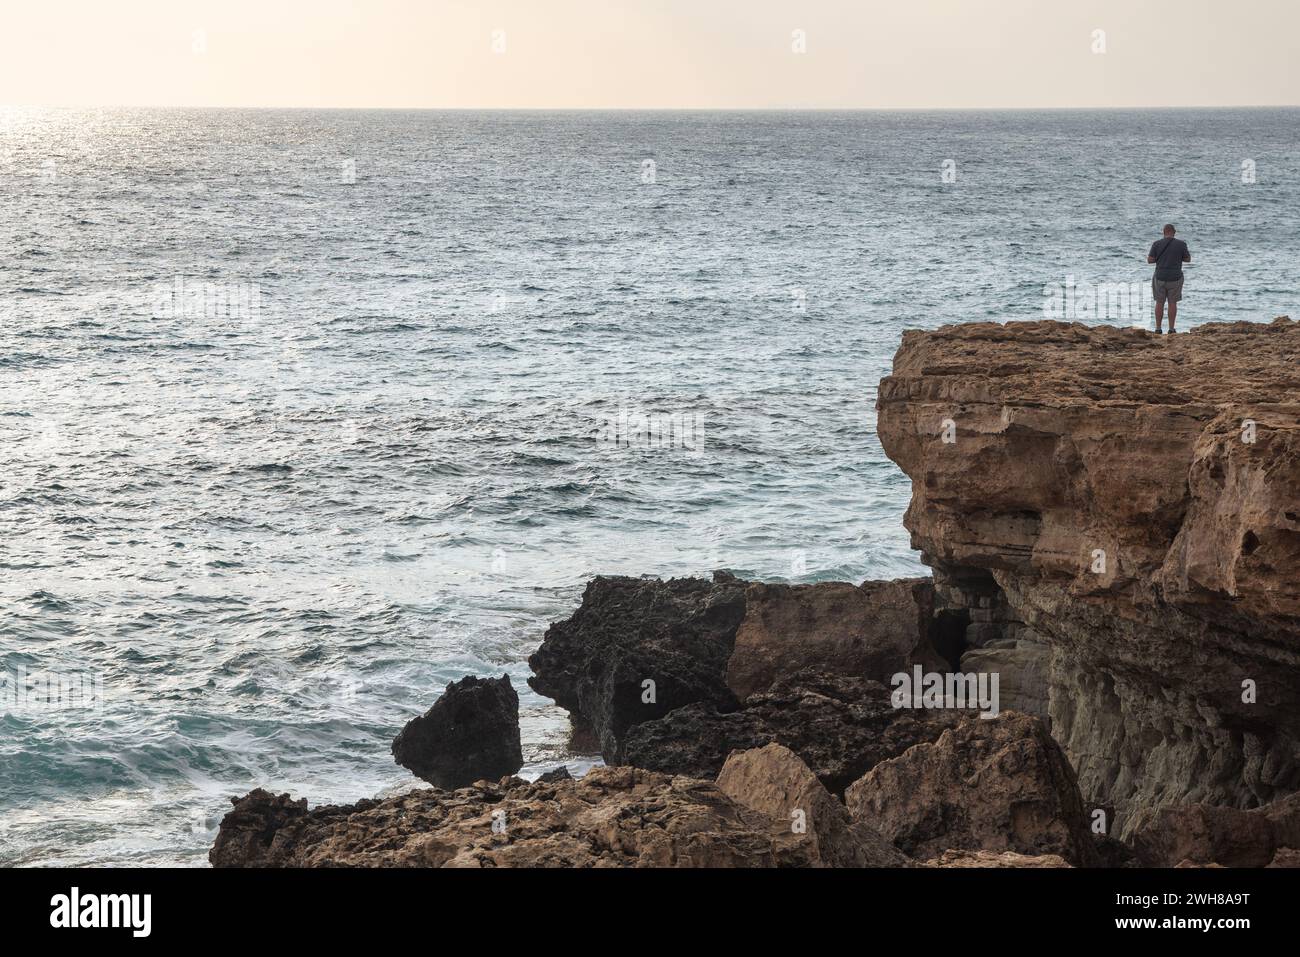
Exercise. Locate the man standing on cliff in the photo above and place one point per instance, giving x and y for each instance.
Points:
(1168, 255)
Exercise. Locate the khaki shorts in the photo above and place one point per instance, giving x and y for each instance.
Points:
(1167, 290)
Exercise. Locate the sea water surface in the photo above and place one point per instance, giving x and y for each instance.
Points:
(271, 527)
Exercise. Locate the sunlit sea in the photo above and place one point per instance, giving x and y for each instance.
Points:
(304, 414)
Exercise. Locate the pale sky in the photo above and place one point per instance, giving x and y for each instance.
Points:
(649, 53)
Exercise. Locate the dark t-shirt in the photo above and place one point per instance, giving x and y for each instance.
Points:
(1169, 255)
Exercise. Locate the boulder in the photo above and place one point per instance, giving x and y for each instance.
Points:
(999, 784)
(775, 782)
(470, 734)
(840, 727)
(1201, 834)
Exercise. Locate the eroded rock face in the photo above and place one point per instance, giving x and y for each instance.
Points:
(613, 817)
(999, 784)
(841, 727)
(1134, 501)
(869, 631)
(470, 734)
(1022, 668)
(677, 634)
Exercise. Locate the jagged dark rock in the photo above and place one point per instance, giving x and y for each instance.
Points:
(717, 643)
(470, 734)
(841, 727)
(249, 831)
(677, 635)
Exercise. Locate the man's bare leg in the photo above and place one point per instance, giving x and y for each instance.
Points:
(1173, 314)
(1160, 316)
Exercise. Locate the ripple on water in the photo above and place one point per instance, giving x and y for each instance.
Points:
(277, 535)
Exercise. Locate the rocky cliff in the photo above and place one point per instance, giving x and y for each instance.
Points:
(1118, 516)
(1113, 520)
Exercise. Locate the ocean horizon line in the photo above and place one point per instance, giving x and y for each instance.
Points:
(653, 109)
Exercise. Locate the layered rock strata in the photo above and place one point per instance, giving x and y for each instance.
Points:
(1126, 508)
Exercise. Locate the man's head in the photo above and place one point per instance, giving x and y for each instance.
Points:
(1169, 230)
